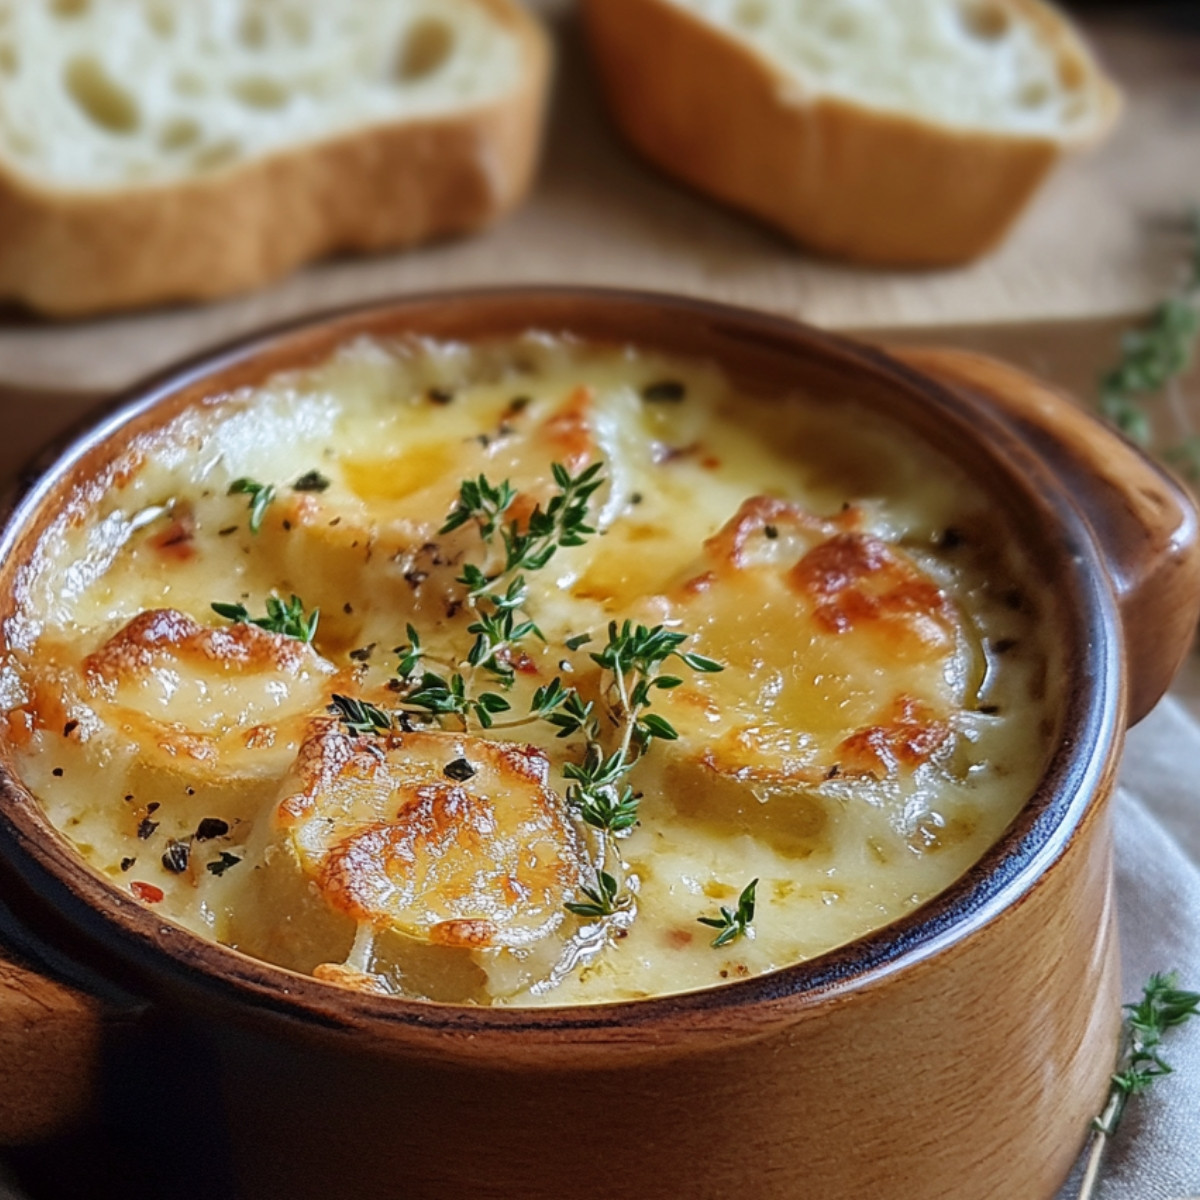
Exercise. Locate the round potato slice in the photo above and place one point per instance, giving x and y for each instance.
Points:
(446, 838)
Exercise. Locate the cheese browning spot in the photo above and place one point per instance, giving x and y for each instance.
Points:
(483, 863)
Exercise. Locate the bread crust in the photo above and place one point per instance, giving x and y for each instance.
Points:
(842, 178)
(67, 253)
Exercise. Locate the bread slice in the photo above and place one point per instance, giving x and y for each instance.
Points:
(153, 150)
(905, 132)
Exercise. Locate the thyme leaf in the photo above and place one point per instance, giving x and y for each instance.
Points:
(601, 901)
(360, 716)
(733, 923)
(285, 617)
(261, 495)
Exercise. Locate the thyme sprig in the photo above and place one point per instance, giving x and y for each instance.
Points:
(631, 659)
(1152, 356)
(361, 716)
(1163, 1006)
(605, 899)
(498, 599)
(261, 496)
(562, 523)
(283, 616)
(733, 923)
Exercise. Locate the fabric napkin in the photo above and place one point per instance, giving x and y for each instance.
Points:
(1156, 1153)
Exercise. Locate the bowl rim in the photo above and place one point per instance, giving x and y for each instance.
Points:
(1079, 772)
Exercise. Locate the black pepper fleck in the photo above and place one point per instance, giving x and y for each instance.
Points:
(440, 395)
(664, 391)
(57, 772)
(126, 863)
(211, 827)
(363, 653)
(459, 770)
(348, 609)
(951, 538)
(146, 828)
(311, 481)
(175, 858)
(770, 532)
(1004, 645)
(227, 531)
(69, 728)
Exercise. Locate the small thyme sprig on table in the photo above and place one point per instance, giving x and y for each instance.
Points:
(733, 923)
(285, 617)
(261, 496)
(1152, 356)
(1163, 1006)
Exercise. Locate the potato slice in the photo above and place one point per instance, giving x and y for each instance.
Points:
(446, 838)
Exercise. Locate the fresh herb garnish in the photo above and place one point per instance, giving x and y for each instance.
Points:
(285, 617)
(360, 716)
(602, 901)
(220, 865)
(733, 923)
(1152, 356)
(498, 598)
(1163, 1006)
(261, 495)
(311, 481)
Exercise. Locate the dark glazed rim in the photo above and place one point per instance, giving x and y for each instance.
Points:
(1080, 769)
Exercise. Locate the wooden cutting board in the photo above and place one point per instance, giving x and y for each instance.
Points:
(1106, 237)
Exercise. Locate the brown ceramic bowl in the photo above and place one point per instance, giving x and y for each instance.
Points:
(964, 1044)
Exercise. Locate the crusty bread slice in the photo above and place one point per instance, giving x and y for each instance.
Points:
(155, 150)
(905, 132)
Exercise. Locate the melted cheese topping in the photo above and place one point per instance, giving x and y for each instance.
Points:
(883, 712)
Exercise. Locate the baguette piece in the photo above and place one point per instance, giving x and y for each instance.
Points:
(154, 151)
(898, 132)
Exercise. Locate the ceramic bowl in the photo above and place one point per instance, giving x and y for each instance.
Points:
(965, 1044)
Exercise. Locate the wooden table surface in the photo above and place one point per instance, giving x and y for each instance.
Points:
(1106, 237)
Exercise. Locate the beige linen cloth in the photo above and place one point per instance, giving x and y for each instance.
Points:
(1156, 1154)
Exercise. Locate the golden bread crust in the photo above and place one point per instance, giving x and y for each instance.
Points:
(845, 179)
(70, 253)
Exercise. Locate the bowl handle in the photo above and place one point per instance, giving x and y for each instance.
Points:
(1146, 523)
(51, 1038)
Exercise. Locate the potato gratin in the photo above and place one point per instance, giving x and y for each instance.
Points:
(533, 673)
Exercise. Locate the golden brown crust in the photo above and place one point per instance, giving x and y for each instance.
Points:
(844, 179)
(480, 858)
(69, 253)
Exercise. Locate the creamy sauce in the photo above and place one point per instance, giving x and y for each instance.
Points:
(882, 716)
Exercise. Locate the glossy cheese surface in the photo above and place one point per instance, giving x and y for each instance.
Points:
(886, 703)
